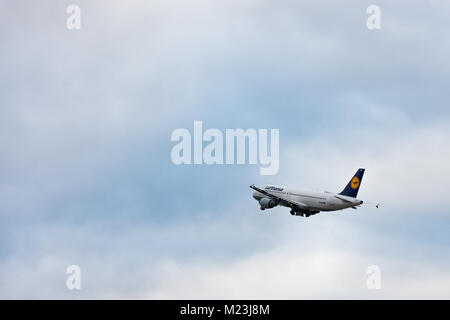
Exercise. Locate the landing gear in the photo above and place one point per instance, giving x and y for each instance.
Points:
(296, 213)
(262, 209)
(303, 213)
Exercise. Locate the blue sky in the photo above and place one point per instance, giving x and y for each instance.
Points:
(85, 124)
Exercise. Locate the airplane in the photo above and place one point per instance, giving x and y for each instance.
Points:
(303, 203)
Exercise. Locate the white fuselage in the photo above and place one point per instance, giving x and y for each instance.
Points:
(320, 201)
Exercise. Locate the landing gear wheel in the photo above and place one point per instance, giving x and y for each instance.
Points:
(293, 212)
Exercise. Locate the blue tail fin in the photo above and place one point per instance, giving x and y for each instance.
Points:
(351, 190)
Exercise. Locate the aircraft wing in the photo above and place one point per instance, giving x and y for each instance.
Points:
(292, 203)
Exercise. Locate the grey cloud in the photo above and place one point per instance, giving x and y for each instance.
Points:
(85, 127)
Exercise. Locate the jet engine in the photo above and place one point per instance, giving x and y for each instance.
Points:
(267, 203)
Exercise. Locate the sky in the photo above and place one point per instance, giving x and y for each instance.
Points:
(86, 176)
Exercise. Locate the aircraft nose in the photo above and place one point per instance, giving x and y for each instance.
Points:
(256, 195)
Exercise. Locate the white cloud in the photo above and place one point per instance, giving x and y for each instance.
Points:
(76, 107)
(287, 273)
(406, 169)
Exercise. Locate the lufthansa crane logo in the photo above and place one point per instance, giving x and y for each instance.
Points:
(355, 183)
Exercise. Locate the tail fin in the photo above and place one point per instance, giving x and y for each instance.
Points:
(351, 190)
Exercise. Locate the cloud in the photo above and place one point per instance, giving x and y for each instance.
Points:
(85, 128)
(406, 168)
(290, 273)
